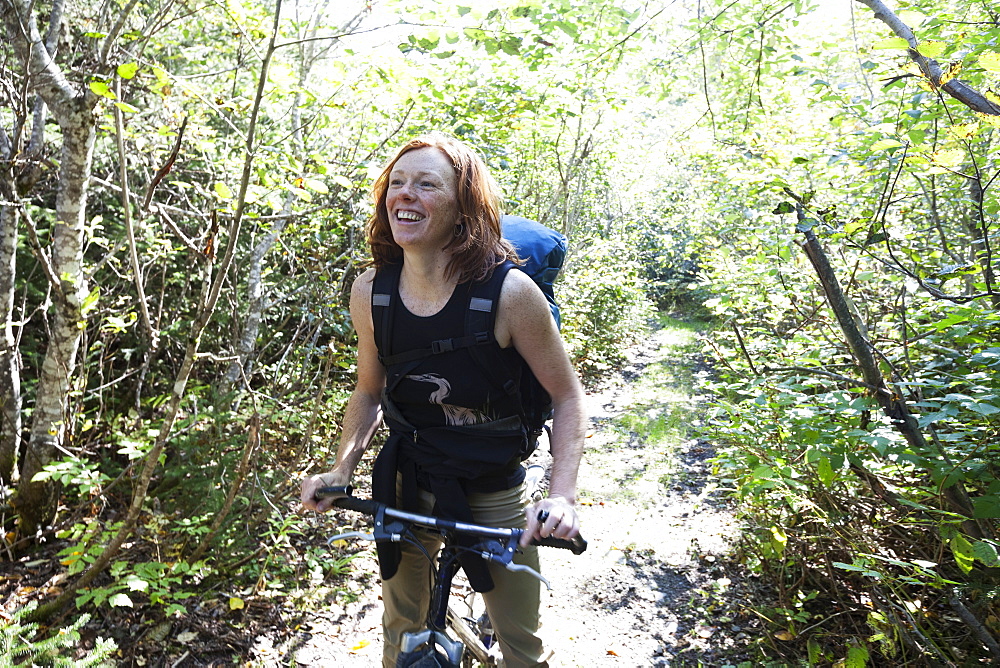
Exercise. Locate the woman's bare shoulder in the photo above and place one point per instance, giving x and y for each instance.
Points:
(519, 291)
(362, 286)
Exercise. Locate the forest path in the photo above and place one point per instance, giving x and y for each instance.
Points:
(653, 587)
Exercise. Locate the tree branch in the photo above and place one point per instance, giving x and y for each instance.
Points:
(22, 31)
(154, 336)
(893, 406)
(929, 67)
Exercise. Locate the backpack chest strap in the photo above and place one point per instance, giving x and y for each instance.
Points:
(437, 347)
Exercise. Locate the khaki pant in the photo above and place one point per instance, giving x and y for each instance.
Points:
(512, 604)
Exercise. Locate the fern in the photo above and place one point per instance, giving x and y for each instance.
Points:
(19, 640)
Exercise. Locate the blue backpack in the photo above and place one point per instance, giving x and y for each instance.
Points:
(543, 250)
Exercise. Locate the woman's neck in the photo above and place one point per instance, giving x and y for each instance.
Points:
(424, 285)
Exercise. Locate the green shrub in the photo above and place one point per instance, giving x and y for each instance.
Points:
(605, 308)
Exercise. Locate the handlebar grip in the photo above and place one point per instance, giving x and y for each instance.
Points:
(333, 490)
(576, 544)
(366, 506)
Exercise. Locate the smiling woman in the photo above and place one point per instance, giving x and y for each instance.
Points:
(456, 433)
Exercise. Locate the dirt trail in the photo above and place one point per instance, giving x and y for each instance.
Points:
(652, 589)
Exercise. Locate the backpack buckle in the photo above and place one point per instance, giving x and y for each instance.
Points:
(442, 346)
(482, 337)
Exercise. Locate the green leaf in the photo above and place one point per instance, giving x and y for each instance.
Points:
(911, 17)
(891, 43)
(815, 651)
(90, 301)
(853, 226)
(120, 601)
(983, 408)
(990, 61)
(569, 28)
(988, 357)
(779, 539)
(343, 181)
(986, 507)
(222, 191)
(126, 107)
(949, 157)
(101, 88)
(986, 553)
(135, 583)
(961, 548)
(127, 70)
(931, 49)
(825, 471)
(511, 46)
(784, 207)
(316, 186)
(857, 657)
(885, 144)
(462, 11)
(847, 567)
(806, 224)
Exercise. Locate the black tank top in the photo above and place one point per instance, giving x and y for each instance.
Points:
(445, 389)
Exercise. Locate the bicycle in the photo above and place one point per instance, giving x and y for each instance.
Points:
(432, 646)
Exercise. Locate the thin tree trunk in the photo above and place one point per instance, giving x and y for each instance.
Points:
(10, 376)
(888, 398)
(981, 249)
(242, 367)
(36, 501)
(12, 184)
(73, 109)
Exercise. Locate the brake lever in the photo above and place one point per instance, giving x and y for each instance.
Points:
(350, 534)
(502, 552)
(521, 568)
(388, 530)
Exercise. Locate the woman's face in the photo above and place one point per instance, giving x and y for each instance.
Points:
(422, 199)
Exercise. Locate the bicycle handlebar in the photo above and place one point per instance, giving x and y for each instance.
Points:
(576, 545)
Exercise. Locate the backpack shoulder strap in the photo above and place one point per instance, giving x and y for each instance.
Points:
(385, 288)
(484, 300)
(480, 321)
